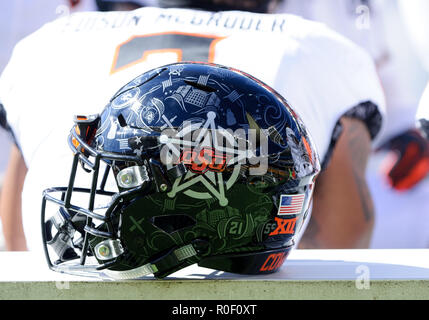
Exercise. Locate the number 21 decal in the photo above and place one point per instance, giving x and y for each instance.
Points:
(187, 47)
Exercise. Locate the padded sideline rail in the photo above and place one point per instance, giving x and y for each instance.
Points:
(306, 274)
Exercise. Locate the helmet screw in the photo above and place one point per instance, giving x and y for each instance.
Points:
(163, 187)
(104, 250)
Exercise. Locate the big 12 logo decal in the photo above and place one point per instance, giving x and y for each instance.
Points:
(284, 226)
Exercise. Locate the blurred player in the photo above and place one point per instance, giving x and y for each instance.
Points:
(403, 221)
(401, 160)
(376, 26)
(18, 19)
(330, 81)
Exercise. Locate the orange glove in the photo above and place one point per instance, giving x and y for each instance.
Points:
(407, 161)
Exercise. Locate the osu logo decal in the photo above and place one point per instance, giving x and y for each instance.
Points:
(274, 261)
(284, 226)
(204, 160)
(206, 165)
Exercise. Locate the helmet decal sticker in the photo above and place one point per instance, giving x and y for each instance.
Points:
(151, 114)
(112, 129)
(284, 226)
(291, 204)
(126, 99)
(274, 261)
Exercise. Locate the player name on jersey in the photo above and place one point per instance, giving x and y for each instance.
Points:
(139, 19)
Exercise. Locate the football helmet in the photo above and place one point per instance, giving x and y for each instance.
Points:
(210, 166)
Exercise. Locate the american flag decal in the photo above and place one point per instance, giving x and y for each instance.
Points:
(291, 204)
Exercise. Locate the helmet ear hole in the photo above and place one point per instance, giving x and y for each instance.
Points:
(122, 121)
(200, 86)
(174, 222)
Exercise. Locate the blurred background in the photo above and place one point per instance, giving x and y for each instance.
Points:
(394, 32)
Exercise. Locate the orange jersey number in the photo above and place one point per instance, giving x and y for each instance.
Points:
(186, 46)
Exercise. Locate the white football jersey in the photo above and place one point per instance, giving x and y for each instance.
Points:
(18, 19)
(75, 64)
(378, 27)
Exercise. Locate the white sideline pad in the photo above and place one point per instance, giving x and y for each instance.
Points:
(306, 274)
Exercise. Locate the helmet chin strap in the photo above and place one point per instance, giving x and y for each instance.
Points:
(161, 267)
(181, 257)
(136, 273)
